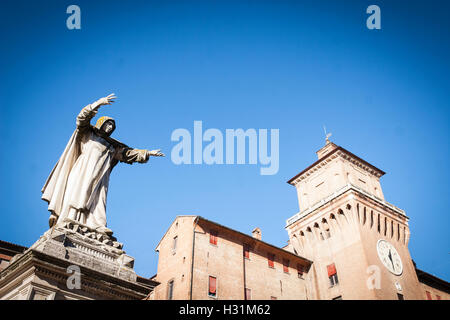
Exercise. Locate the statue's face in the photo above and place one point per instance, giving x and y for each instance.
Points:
(108, 127)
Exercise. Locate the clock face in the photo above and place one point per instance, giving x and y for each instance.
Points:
(389, 257)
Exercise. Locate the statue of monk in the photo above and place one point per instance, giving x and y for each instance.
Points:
(78, 184)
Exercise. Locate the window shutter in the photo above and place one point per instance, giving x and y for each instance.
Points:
(331, 270)
(299, 269)
(286, 265)
(246, 251)
(270, 259)
(429, 296)
(213, 237)
(212, 285)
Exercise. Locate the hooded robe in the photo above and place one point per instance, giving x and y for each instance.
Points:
(78, 184)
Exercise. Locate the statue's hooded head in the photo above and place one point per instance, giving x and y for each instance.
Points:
(106, 125)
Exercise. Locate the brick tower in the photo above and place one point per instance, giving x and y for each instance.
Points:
(357, 241)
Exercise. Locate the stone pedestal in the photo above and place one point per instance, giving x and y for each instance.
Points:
(73, 262)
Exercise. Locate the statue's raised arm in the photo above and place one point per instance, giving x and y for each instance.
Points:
(88, 112)
(77, 187)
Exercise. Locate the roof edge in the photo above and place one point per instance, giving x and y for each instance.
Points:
(339, 148)
(257, 240)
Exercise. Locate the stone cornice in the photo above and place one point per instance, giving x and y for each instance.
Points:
(92, 281)
(339, 152)
(337, 194)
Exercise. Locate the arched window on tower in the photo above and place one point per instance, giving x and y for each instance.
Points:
(342, 216)
(334, 222)
(296, 243)
(318, 232)
(302, 239)
(357, 210)
(371, 219)
(326, 228)
(392, 229)
(309, 234)
(349, 212)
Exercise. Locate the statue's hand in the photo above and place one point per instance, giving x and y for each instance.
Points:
(156, 153)
(106, 100)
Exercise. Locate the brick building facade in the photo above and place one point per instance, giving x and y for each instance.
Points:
(346, 242)
(200, 259)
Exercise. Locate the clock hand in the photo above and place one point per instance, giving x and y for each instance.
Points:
(390, 258)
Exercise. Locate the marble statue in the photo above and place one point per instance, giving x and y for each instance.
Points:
(77, 187)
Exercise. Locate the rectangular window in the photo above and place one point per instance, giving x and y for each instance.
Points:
(170, 290)
(286, 265)
(174, 244)
(428, 295)
(332, 275)
(246, 251)
(213, 237)
(212, 291)
(248, 294)
(333, 280)
(300, 270)
(270, 260)
(400, 296)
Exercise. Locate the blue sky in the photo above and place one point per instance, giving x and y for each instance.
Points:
(290, 65)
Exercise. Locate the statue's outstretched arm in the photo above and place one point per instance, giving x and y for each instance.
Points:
(129, 155)
(88, 112)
